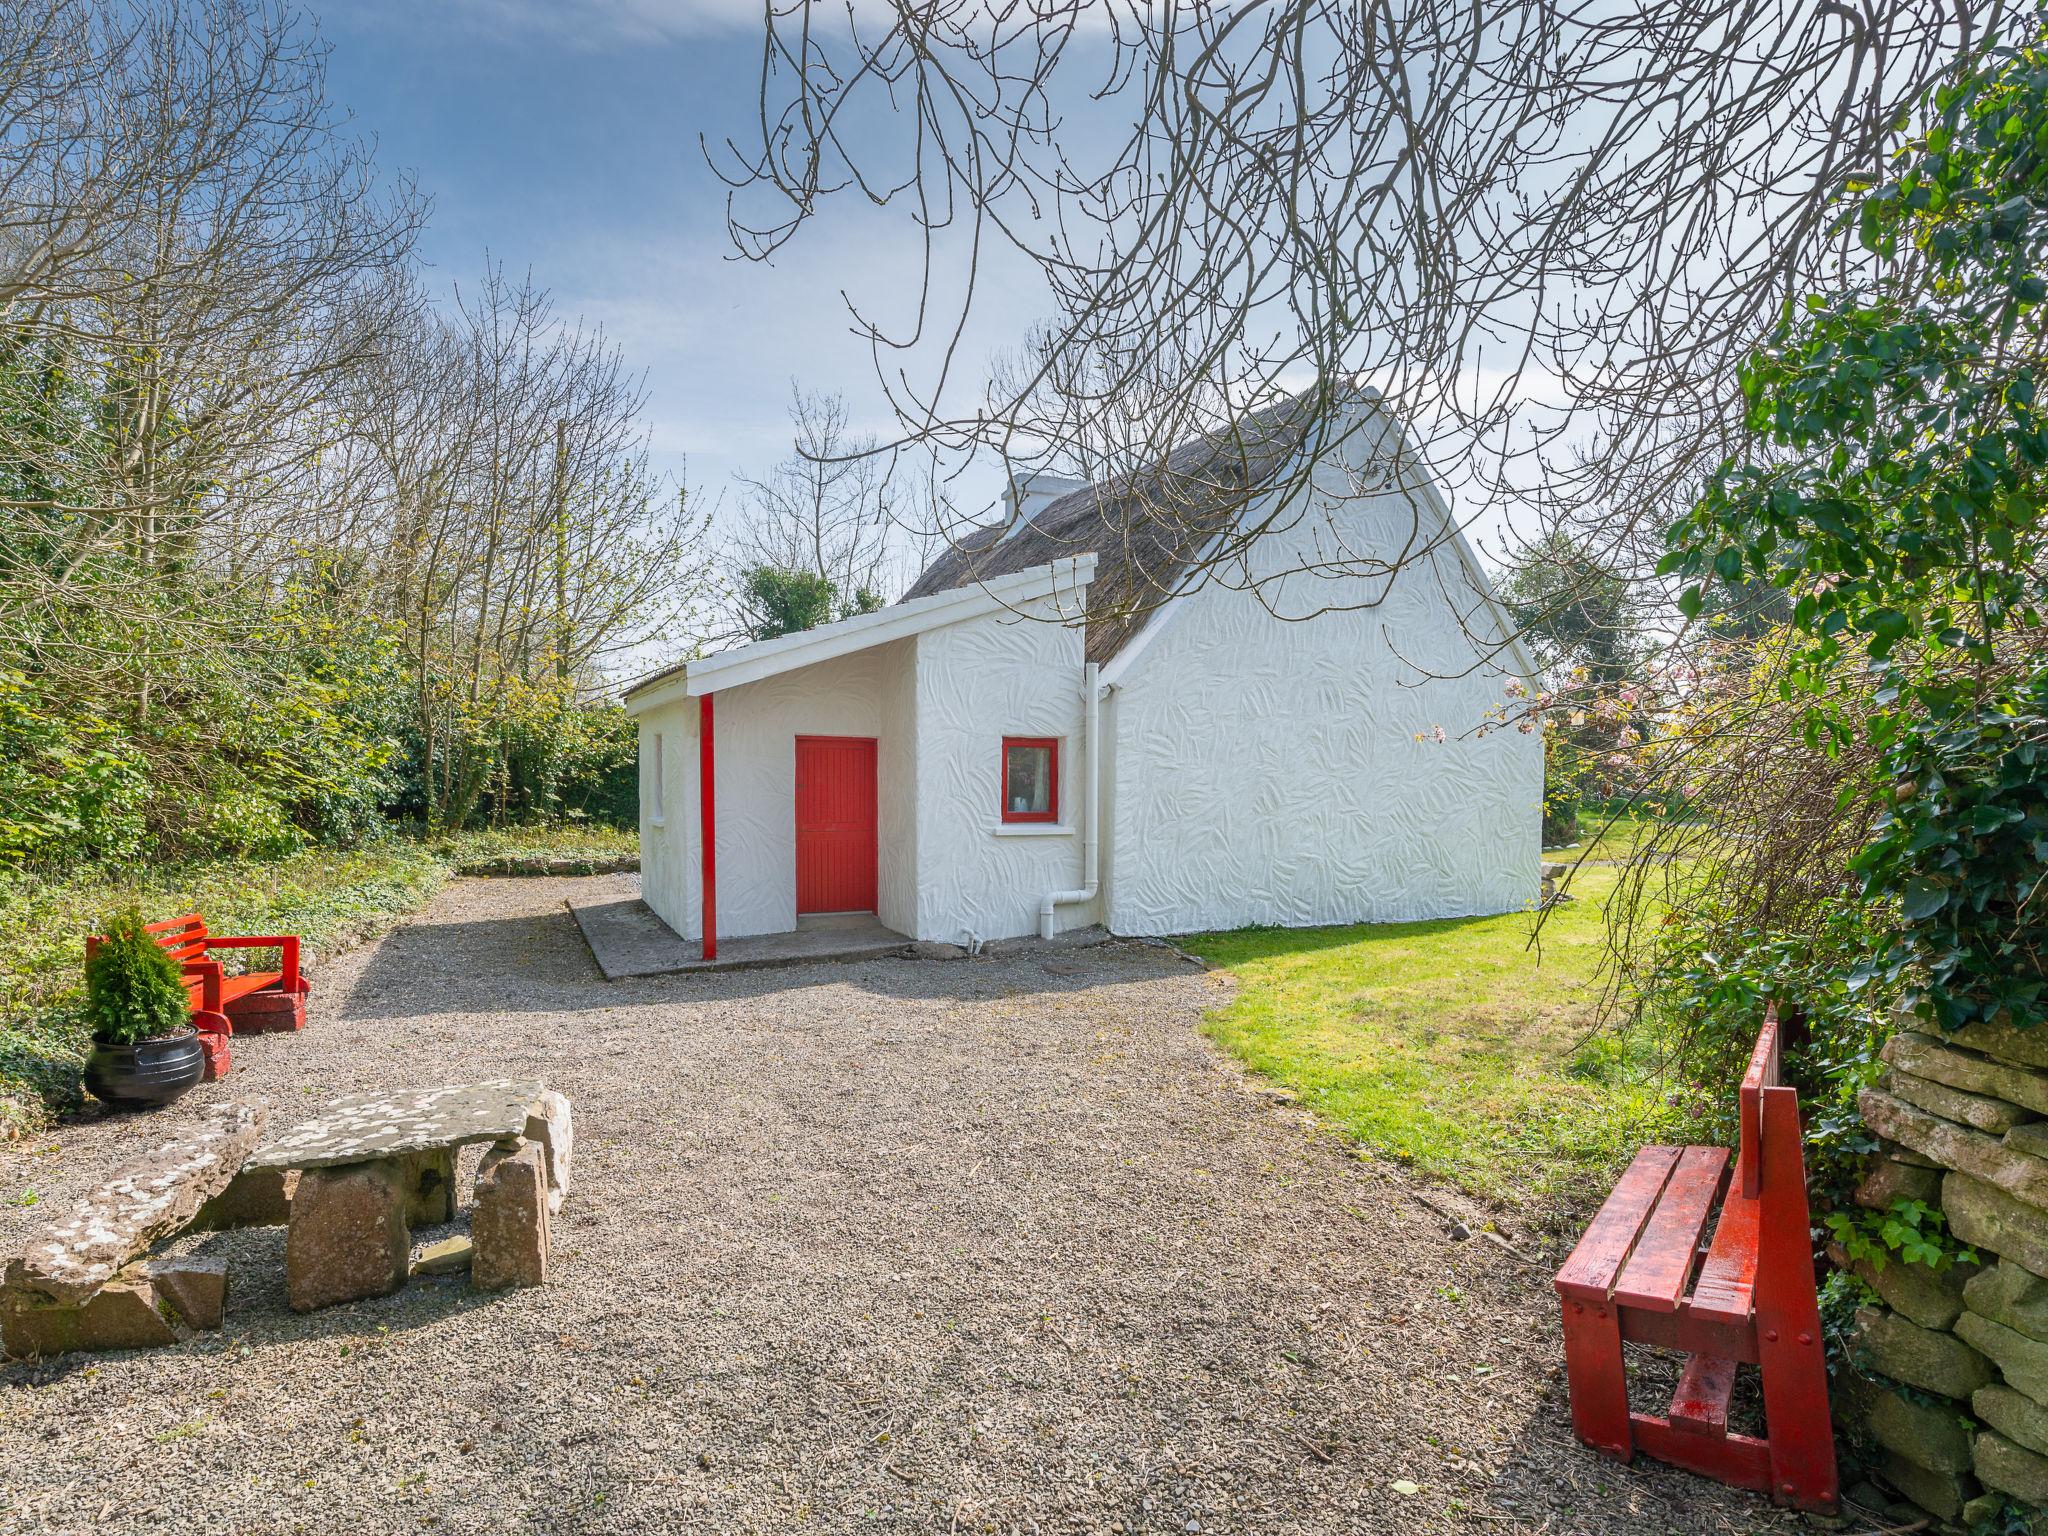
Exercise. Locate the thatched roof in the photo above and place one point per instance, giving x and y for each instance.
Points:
(1146, 530)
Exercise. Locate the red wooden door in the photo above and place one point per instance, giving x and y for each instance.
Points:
(835, 824)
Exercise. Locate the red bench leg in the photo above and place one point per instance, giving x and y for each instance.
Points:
(1788, 1342)
(214, 1030)
(1599, 1384)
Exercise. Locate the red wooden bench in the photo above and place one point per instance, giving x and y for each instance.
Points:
(252, 1001)
(1641, 1274)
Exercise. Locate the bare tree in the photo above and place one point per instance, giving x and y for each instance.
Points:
(1543, 233)
(832, 510)
(190, 255)
(828, 508)
(511, 518)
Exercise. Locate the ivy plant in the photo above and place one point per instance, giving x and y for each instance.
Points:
(1895, 492)
(1911, 1230)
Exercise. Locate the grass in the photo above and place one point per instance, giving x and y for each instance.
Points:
(329, 897)
(578, 839)
(1452, 1046)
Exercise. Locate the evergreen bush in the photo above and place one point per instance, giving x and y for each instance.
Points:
(133, 988)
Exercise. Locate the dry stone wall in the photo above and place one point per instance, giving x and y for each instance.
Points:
(1951, 1378)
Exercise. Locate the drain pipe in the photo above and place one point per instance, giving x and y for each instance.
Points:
(1091, 789)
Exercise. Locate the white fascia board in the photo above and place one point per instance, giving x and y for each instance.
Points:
(786, 653)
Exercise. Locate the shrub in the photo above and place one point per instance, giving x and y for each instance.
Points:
(1712, 977)
(133, 989)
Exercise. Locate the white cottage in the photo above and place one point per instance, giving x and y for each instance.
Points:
(1033, 740)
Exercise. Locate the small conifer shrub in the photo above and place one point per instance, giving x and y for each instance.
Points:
(133, 989)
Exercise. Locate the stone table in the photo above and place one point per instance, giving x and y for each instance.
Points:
(374, 1166)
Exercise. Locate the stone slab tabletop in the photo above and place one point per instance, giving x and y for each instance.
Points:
(371, 1127)
(153, 1196)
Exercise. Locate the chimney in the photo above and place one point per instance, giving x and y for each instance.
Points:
(1030, 493)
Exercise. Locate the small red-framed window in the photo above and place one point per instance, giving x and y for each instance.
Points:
(1031, 778)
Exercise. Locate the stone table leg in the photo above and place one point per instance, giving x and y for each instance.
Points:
(348, 1237)
(508, 1223)
(430, 1186)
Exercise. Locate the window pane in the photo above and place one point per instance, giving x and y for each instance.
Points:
(1030, 781)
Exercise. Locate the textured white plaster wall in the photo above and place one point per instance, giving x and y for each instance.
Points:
(977, 682)
(896, 787)
(1267, 771)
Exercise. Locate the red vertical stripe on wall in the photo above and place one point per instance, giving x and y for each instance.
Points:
(707, 804)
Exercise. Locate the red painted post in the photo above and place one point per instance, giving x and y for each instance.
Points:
(707, 805)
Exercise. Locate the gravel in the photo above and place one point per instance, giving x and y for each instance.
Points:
(981, 1245)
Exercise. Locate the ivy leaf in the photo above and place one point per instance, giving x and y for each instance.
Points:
(1921, 899)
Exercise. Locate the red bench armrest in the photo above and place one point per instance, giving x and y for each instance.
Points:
(287, 943)
(209, 974)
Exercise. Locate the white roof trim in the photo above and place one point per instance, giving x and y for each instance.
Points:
(769, 658)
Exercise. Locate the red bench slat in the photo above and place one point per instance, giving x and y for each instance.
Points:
(1662, 1263)
(1700, 1405)
(1588, 1275)
(1726, 1289)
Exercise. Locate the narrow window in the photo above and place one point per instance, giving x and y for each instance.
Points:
(1031, 778)
(660, 775)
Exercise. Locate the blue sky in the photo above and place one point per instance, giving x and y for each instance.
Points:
(562, 137)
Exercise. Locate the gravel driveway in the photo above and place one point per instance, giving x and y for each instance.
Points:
(992, 1245)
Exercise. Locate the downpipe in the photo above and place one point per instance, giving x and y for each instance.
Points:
(1091, 790)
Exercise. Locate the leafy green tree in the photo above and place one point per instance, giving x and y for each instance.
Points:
(1582, 619)
(1578, 610)
(776, 600)
(1897, 498)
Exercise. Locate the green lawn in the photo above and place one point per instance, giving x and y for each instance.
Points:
(582, 839)
(1455, 1046)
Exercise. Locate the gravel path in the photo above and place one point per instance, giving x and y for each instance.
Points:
(995, 1245)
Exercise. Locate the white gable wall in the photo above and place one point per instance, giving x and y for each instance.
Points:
(978, 681)
(1267, 772)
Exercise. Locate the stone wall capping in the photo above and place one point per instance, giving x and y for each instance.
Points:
(1960, 1123)
(1927, 1056)
(2018, 1047)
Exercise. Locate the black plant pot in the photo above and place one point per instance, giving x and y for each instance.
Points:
(147, 1073)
